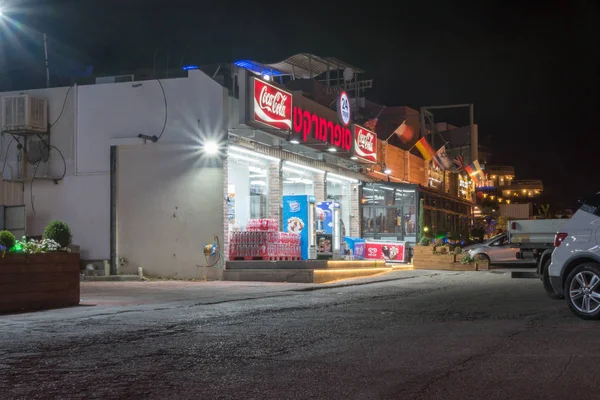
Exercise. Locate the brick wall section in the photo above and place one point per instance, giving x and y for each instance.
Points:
(225, 210)
(320, 187)
(275, 191)
(354, 211)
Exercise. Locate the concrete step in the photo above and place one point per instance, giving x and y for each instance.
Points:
(111, 278)
(300, 275)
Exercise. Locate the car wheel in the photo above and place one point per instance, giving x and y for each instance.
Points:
(546, 281)
(582, 291)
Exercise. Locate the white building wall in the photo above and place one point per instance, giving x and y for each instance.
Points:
(96, 116)
(169, 205)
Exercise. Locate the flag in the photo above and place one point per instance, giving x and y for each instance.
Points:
(459, 163)
(425, 148)
(405, 132)
(371, 124)
(474, 171)
(441, 158)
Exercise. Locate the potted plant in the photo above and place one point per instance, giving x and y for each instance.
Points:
(38, 274)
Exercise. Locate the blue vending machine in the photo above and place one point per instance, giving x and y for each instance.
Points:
(299, 217)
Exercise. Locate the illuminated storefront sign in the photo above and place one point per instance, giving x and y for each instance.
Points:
(365, 144)
(309, 126)
(272, 106)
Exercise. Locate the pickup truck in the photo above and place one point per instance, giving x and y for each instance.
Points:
(524, 242)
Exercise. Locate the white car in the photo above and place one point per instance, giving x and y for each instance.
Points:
(574, 268)
(497, 250)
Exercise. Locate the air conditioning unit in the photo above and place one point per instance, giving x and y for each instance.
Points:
(24, 114)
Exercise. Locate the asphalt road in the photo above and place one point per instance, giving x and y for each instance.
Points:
(435, 336)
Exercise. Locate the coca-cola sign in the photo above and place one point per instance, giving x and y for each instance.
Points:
(309, 127)
(365, 144)
(272, 106)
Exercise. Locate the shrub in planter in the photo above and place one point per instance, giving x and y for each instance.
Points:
(44, 246)
(466, 259)
(457, 250)
(425, 241)
(59, 232)
(7, 240)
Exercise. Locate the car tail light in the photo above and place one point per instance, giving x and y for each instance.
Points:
(558, 239)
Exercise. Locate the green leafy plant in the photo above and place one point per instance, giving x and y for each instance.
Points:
(33, 246)
(457, 250)
(438, 242)
(466, 259)
(59, 232)
(425, 241)
(7, 240)
(443, 250)
(422, 220)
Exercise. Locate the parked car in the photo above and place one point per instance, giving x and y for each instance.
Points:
(573, 270)
(522, 243)
(496, 250)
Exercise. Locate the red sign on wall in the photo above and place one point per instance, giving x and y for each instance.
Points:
(272, 106)
(310, 126)
(393, 251)
(365, 144)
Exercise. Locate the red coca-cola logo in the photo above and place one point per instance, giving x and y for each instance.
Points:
(309, 125)
(365, 144)
(272, 106)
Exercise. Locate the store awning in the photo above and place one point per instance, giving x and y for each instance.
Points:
(308, 66)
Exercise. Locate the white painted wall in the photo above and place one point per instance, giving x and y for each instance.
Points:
(169, 204)
(96, 116)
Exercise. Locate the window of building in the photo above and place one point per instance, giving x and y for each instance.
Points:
(298, 179)
(248, 186)
(339, 190)
(389, 212)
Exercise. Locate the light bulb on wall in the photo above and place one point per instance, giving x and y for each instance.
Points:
(211, 147)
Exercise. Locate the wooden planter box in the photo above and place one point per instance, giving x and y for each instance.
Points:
(424, 258)
(38, 281)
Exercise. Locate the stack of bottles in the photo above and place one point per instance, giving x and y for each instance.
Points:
(262, 240)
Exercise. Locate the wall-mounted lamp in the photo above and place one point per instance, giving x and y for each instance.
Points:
(210, 147)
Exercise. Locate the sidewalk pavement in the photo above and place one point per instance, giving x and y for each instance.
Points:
(211, 292)
(100, 299)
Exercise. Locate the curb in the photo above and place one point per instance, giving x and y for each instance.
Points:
(334, 286)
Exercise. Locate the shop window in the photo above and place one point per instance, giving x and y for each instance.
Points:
(339, 190)
(298, 181)
(389, 211)
(248, 190)
(407, 216)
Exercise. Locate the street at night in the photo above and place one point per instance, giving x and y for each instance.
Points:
(414, 335)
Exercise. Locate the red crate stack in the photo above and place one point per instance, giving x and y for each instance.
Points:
(262, 241)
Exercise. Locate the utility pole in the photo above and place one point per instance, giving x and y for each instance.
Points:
(46, 59)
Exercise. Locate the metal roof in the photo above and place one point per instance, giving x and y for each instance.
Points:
(306, 65)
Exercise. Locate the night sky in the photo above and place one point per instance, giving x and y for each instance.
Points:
(530, 69)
